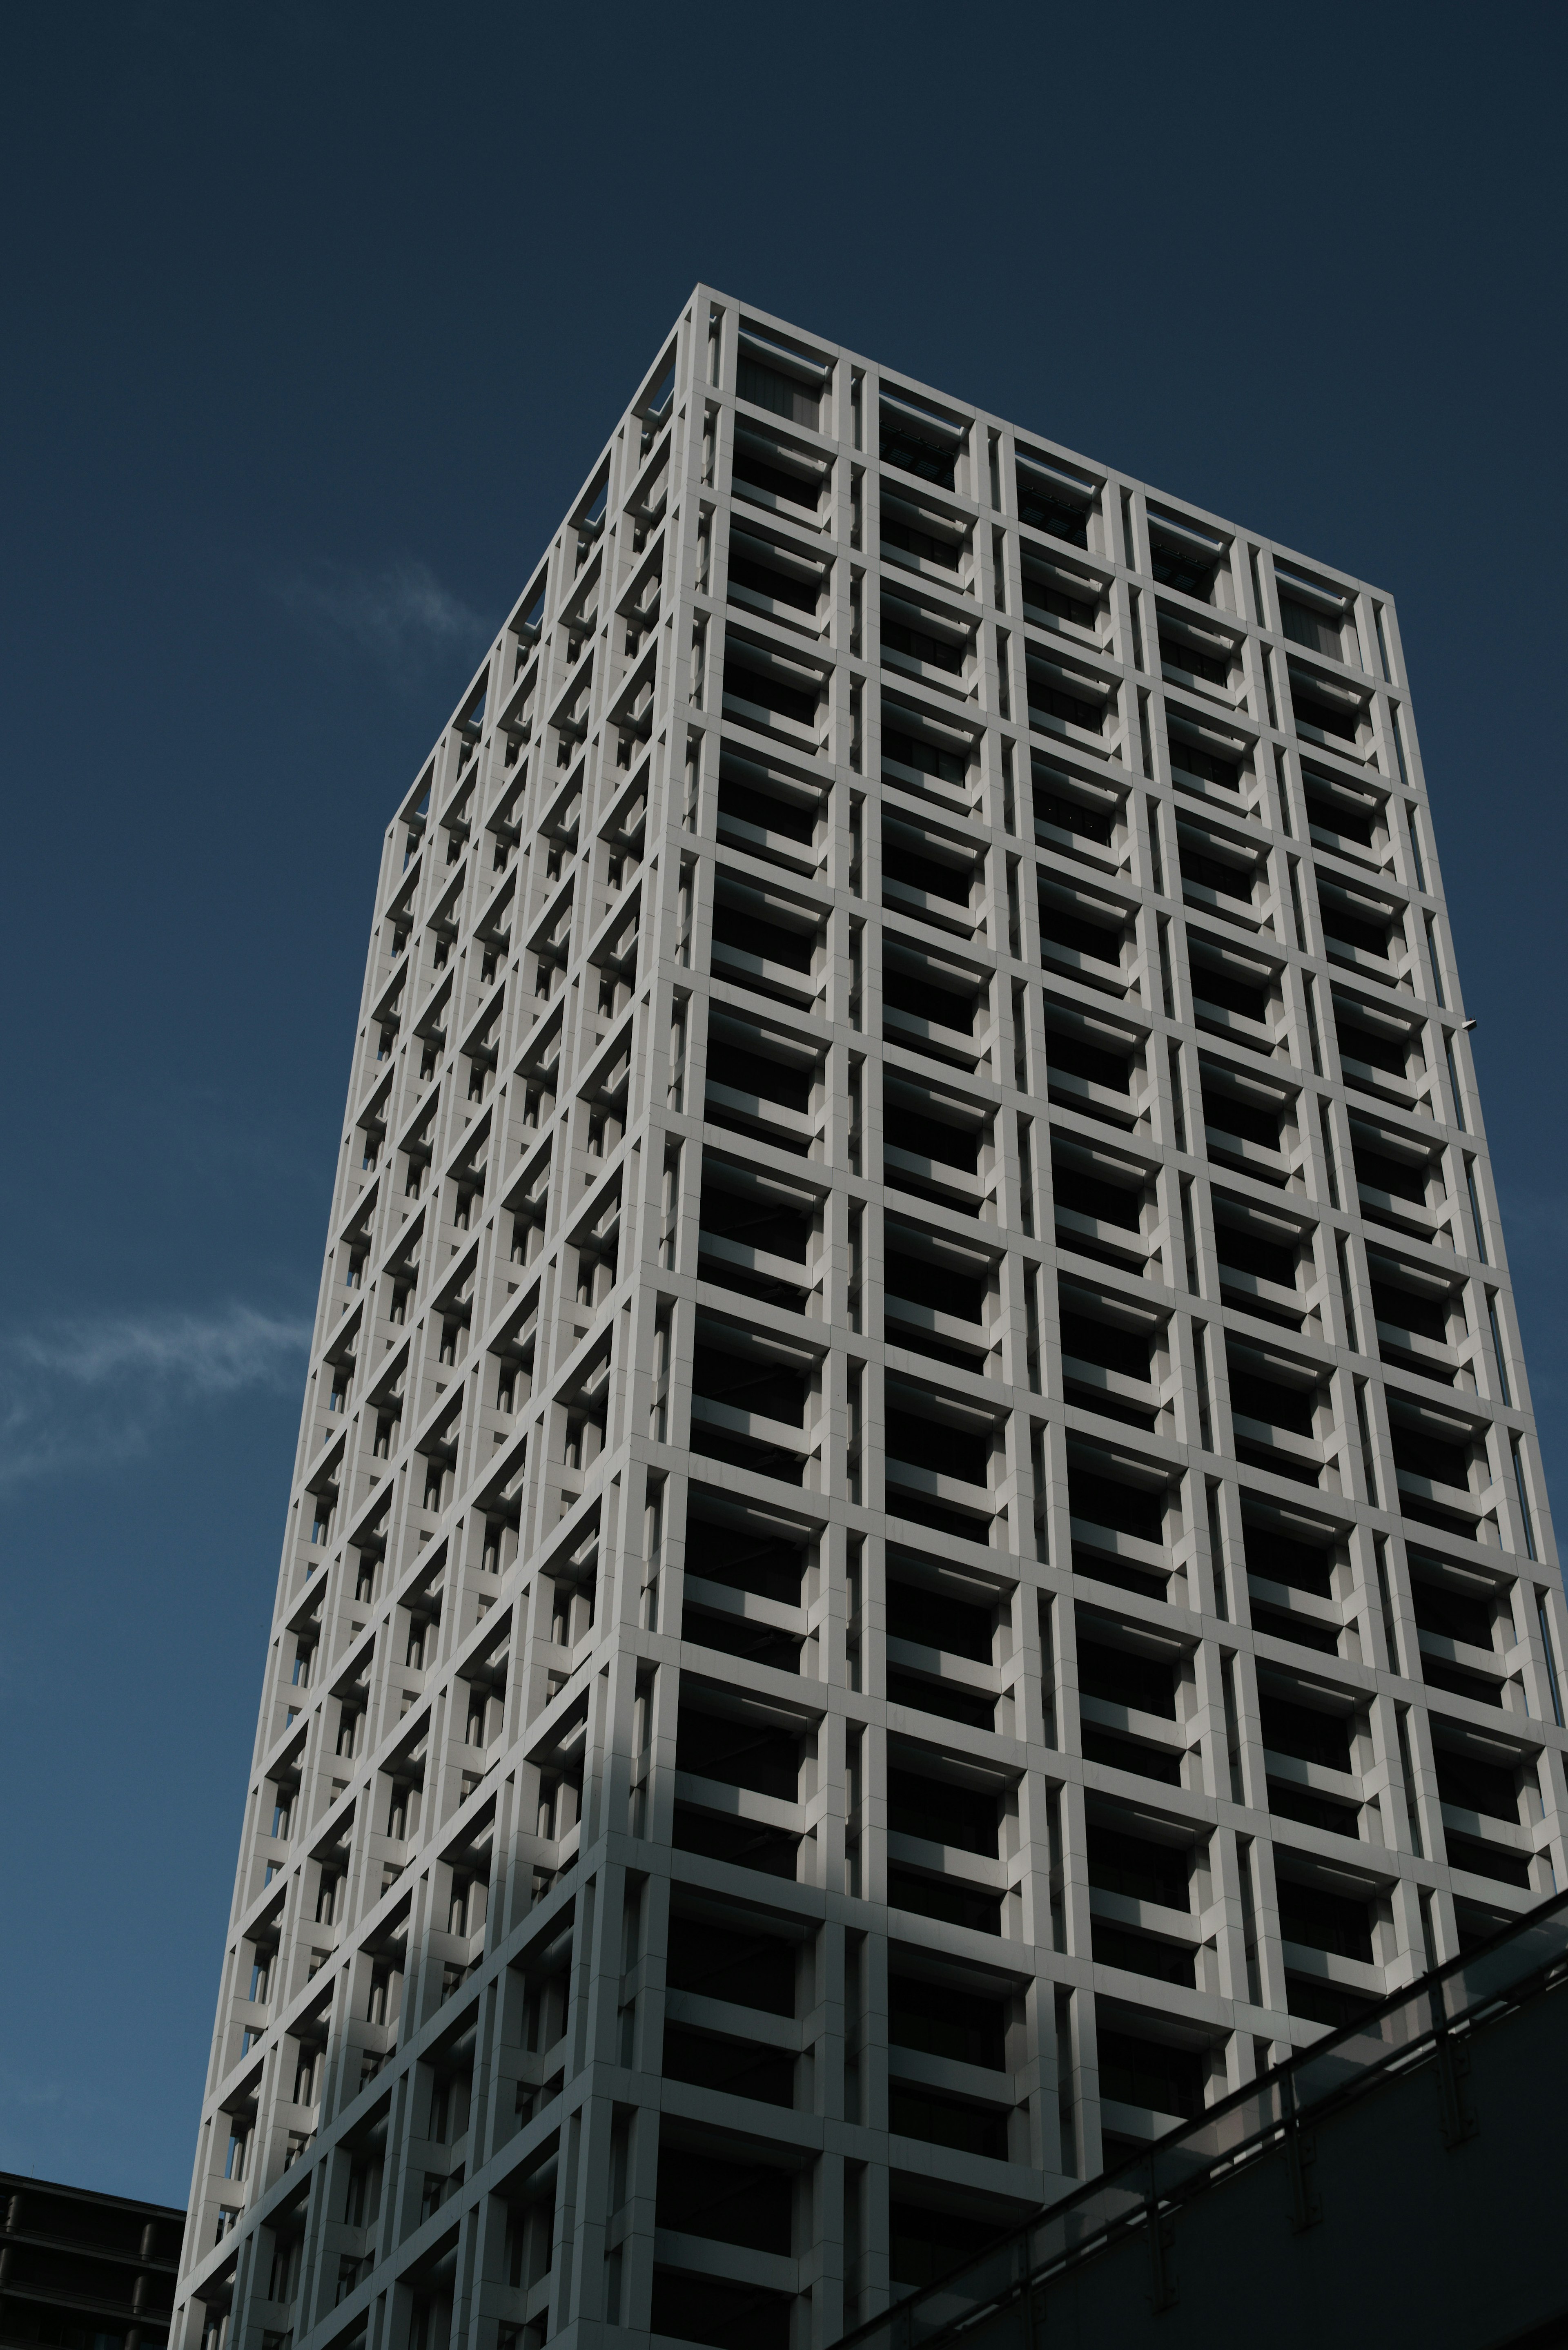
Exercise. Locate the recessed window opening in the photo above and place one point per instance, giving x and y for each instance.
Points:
(1184, 558)
(1053, 500)
(772, 376)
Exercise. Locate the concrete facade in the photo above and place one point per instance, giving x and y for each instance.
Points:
(1366, 2184)
(916, 1540)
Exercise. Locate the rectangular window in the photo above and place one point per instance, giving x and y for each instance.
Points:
(782, 394)
(1382, 645)
(1399, 745)
(1555, 1692)
(1497, 1348)
(1315, 630)
(1523, 1496)
(1475, 1210)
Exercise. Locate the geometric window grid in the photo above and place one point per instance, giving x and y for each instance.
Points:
(917, 1541)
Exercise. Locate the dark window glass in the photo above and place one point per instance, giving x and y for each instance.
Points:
(785, 395)
(1350, 929)
(1071, 708)
(724, 2199)
(725, 2316)
(1293, 1803)
(738, 1754)
(944, 1897)
(1213, 873)
(1094, 1062)
(743, 1559)
(1073, 815)
(1157, 1762)
(1136, 1510)
(1179, 654)
(1474, 1786)
(1122, 1676)
(925, 2244)
(1486, 1860)
(1040, 596)
(924, 1001)
(931, 1137)
(1305, 1734)
(1321, 2002)
(940, 1286)
(736, 2067)
(1453, 1616)
(930, 1444)
(1398, 1176)
(1187, 759)
(760, 475)
(754, 1220)
(768, 813)
(932, 1619)
(928, 874)
(937, 653)
(1338, 815)
(753, 1073)
(744, 1843)
(768, 1388)
(1283, 1623)
(1277, 1558)
(913, 453)
(914, 751)
(1249, 1122)
(1138, 1868)
(942, 1813)
(764, 580)
(1091, 1341)
(1146, 2073)
(1141, 1954)
(1058, 515)
(1324, 1921)
(943, 1699)
(1328, 717)
(1059, 928)
(1248, 1251)
(1304, 628)
(734, 927)
(1422, 1455)
(770, 692)
(1270, 1401)
(1089, 1195)
(944, 2022)
(1366, 1045)
(944, 2121)
(1185, 568)
(919, 542)
(1427, 1317)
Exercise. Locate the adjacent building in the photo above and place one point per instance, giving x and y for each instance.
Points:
(81, 2270)
(918, 1542)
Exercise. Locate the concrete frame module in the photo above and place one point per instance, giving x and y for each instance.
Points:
(917, 1540)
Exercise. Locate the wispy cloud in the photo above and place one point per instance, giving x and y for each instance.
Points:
(76, 1390)
(396, 614)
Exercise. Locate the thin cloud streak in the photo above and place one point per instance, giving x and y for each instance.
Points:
(395, 614)
(78, 1392)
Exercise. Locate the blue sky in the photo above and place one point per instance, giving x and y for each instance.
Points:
(315, 318)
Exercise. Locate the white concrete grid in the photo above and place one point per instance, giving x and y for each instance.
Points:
(811, 1702)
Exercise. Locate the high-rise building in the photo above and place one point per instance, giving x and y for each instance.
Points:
(917, 1541)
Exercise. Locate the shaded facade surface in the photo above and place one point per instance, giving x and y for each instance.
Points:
(1377, 2174)
(917, 1542)
(84, 2271)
